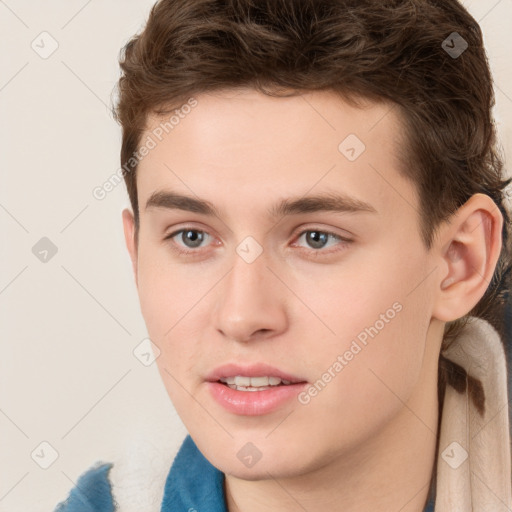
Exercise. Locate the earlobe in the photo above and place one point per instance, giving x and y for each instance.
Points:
(129, 237)
(469, 248)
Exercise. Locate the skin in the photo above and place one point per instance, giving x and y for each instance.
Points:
(367, 440)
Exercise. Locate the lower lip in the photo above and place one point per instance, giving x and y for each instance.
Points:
(254, 403)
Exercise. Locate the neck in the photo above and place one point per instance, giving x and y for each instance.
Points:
(392, 471)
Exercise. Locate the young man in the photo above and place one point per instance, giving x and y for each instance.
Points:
(320, 244)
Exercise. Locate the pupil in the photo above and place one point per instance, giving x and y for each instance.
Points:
(313, 237)
(193, 236)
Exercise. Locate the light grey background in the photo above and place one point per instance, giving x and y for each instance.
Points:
(69, 326)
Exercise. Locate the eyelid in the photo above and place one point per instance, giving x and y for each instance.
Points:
(329, 231)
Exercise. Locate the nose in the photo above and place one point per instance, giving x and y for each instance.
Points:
(251, 302)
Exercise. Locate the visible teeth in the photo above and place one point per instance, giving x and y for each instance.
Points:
(242, 381)
(256, 382)
(248, 383)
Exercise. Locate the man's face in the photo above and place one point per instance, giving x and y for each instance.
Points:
(340, 301)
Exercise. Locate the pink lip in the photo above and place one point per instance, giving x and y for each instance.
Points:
(252, 403)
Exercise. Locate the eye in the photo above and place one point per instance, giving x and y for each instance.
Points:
(188, 240)
(191, 238)
(318, 239)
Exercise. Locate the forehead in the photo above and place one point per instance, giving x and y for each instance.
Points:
(265, 147)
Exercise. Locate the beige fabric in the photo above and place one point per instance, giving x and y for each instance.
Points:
(138, 477)
(473, 467)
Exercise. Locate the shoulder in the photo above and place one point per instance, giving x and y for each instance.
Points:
(92, 492)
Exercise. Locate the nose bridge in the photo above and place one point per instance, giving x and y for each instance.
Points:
(249, 301)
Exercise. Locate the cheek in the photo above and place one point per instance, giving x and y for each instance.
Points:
(380, 378)
(164, 301)
(174, 304)
(167, 291)
(378, 314)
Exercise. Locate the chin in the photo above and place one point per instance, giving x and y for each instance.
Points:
(260, 459)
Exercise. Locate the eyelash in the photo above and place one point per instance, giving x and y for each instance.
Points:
(179, 250)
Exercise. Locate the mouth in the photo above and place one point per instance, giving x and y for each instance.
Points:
(253, 390)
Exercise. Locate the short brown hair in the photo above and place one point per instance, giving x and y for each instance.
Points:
(394, 51)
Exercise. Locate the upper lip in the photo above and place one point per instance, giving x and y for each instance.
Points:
(250, 370)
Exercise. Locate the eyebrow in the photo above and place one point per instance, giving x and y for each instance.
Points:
(330, 202)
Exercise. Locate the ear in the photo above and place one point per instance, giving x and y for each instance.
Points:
(468, 247)
(129, 237)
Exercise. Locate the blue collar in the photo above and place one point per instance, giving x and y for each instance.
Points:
(194, 484)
